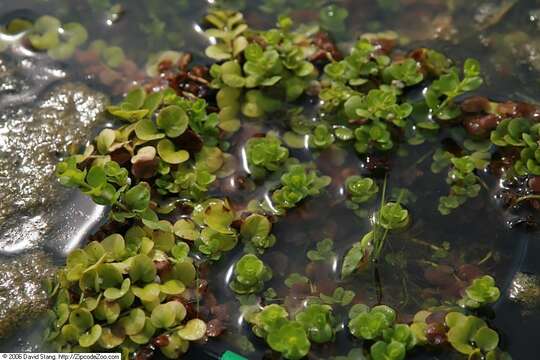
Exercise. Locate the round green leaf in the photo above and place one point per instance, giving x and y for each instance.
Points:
(109, 275)
(173, 119)
(168, 153)
(149, 293)
(110, 340)
(185, 229)
(114, 293)
(194, 330)
(146, 333)
(180, 251)
(91, 337)
(81, 318)
(164, 315)
(146, 130)
(486, 339)
(115, 246)
(108, 311)
(134, 322)
(142, 269)
(70, 333)
(172, 287)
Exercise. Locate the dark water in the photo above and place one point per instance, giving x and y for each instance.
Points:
(477, 232)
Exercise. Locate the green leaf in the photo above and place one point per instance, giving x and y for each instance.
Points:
(146, 130)
(134, 322)
(142, 269)
(168, 153)
(163, 315)
(486, 339)
(114, 293)
(194, 330)
(91, 337)
(81, 318)
(145, 335)
(173, 119)
(172, 287)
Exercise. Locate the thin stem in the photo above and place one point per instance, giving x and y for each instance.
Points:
(527, 197)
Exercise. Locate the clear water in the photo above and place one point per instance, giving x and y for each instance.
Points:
(43, 224)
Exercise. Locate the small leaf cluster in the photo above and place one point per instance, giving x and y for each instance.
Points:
(265, 154)
(361, 189)
(378, 104)
(340, 296)
(323, 251)
(355, 69)
(297, 183)
(393, 216)
(59, 40)
(471, 336)
(521, 133)
(250, 273)
(392, 341)
(256, 233)
(107, 184)
(463, 184)
(210, 225)
(481, 292)
(243, 80)
(293, 337)
(441, 93)
(110, 295)
(227, 29)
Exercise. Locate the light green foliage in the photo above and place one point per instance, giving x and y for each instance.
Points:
(393, 216)
(59, 40)
(321, 137)
(361, 189)
(104, 279)
(369, 324)
(227, 29)
(379, 104)
(255, 231)
(406, 72)
(522, 133)
(481, 292)
(290, 340)
(318, 322)
(463, 184)
(289, 337)
(250, 273)
(470, 335)
(373, 135)
(297, 183)
(214, 218)
(265, 154)
(442, 92)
